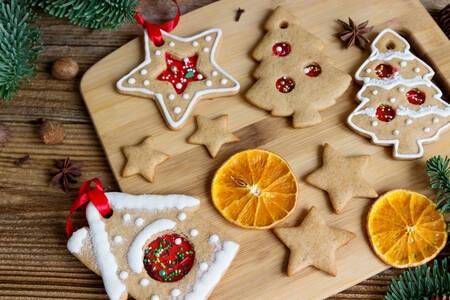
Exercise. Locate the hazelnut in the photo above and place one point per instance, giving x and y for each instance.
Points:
(64, 68)
(52, 132)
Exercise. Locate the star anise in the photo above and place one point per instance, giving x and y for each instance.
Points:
(65, 173)
(354, 34)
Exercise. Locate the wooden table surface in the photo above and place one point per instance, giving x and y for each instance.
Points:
(34, 261)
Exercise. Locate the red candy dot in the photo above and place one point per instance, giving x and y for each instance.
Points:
(285, 84)
(169, 258)
(281, 49)
(312, 70)
(385, 113)
(416, 96)
(385, 70)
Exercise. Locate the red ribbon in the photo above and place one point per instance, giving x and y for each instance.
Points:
(154, 30)
(96, 195)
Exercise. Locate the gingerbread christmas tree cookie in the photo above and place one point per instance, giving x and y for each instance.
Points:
(153, 248)
(313, 243)
(178, 74)
(342, 177)
(400, 106)
(294, 77)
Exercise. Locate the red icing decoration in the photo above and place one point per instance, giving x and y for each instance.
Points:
(312, 70)
(385, 70)
(385, 113)
(181, 72)
(285, 84)
(281, 49)
(416, 96)
(166, 261)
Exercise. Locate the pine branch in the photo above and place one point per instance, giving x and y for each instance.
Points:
(422, 283)
(95, 14)
(19, 46)
(438, 169)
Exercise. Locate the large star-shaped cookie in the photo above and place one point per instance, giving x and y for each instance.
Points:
(178, 74)
(313, 243)
(342, 177)
(212, 133)
(142, 159)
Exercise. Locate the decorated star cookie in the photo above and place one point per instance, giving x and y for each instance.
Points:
(142, 159)
(294, 77)
(400, 106)
(178, 74)
(313, 243)
(212, 133)
(152, 247)
(342, 177)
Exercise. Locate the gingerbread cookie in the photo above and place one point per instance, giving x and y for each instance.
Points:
(342, 177)
(294, 77)
(153, 247)
(212, 133)
(143, 159)
(178, 74)
(313, 243)
(400, 106)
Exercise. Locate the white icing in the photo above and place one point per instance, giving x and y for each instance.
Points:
(208, 38)
(193, 232)
(157, 52)
(203, 266)
(171, 96)
(118, 239)
(175, 292)
(139, 222)
(177, 241)
(374, 123)
(186, 60)
(374, 92)
(208, 82)
(278, 49)
(181, 216)
(423, 111)
(223, 81)
(131, 80)
(395, 132)
(144, 282)
(171, 44)
(213, 239)
(177, 109)
(150, 202)
(179, 85)
(123, 275)
(403, 63)
(154, 297)
(146, 82)
(206, 49)
(426, 129)
(214, 73)
(126, 218)
(369, 111)
(435, 120)
(198, 94)
(75, 243)
(408, 122)
(392, 100)
(186, 96)
(143, 72)
(174, 68)
(416, 69)
(199, 76)
(195, 43)
(401, 89)
(135, 252)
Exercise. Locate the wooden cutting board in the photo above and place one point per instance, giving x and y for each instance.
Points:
(258, 272)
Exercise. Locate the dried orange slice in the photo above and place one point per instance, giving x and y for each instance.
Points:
(405, 229)
(255, 189)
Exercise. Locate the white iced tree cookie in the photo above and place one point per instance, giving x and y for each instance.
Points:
(152, 247)
(400, 106)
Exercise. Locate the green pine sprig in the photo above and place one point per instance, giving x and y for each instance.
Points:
(19, 46)
(438, 169)
(422, 283)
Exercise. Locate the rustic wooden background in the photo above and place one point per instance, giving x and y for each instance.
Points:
(34, 262)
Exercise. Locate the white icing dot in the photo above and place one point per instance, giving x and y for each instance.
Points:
(395, 132)
(175, 292)
(203, 266)
(144, 282)
(194, 232)
(146, 82)
(171, 44)
(435, 120)
(177, 241)
(223, 81)
(154, 297)
(417, 69)
(171, 96)
(403, 63)
(408, 121)
(426, 129)
(374, 92)
(279, 49)
(126, 217)
(178, 85)
(174, 68)
(123, 275)
(131, 80)
(157, 52)
(213, 239)
(181, 216)
(199, 76)
(206, 49)
(139, 222)
(392, 100)
(143, 71)
(208, 38)
(195, 43)
(186, 60)
(374, 123)
(177, 109)
(185, 96)
(401, 89)
(368, 70)
(208, 82)
(117, 239)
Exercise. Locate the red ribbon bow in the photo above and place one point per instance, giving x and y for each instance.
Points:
(96, 195)
(154, 30)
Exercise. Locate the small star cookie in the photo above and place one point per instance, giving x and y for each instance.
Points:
(212, 133)
(342, 177)
(142, 159)
(313, 243)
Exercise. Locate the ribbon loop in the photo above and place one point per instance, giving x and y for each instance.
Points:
(154, 30)
(96, 195)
